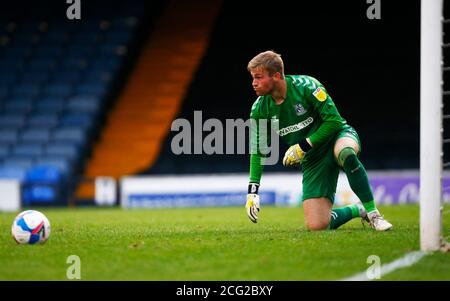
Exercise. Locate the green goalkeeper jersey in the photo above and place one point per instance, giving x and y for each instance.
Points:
(307, 111)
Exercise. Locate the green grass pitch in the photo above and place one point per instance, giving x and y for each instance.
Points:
(214, 244)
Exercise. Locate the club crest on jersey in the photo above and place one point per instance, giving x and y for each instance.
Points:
(299, 109)
(320, 94)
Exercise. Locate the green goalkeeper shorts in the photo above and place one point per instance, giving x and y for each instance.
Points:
(321, 170)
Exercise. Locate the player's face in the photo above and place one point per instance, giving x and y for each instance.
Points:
(262, 83)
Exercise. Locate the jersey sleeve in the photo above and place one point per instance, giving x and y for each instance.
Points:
(332, 122)
(258, 139)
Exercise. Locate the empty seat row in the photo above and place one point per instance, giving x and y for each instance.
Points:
(67, 77)
(99, 63)
(62, 164)
(70, 151)
(56, 89)
(48, 121)
(69, 134)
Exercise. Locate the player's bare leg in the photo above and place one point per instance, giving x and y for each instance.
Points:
(345, 152)
(317, 213)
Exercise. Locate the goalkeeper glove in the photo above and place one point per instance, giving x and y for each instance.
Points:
(295, 154)
(252, 205)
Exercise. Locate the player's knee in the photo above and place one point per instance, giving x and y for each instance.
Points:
(344, 154)
(317, 225)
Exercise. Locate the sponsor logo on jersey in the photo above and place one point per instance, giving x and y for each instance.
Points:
(299, 109)
(296, 127)
(320, 94)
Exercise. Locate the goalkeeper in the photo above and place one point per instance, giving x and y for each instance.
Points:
(321, 143)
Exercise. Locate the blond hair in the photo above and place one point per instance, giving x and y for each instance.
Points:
(269, 60)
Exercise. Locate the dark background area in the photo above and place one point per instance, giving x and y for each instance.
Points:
(371, 68)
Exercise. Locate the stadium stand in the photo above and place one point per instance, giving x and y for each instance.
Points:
(138, 125)
(58, 78)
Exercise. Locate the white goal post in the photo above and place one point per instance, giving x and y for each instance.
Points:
(431, 124)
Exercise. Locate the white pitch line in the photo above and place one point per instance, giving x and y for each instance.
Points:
(408, 260)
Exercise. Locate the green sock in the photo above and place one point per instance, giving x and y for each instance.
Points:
(357, 178)
(340, 216)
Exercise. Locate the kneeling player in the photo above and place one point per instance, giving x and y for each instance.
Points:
(320, 140)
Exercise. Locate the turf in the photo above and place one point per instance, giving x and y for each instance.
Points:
(213, 244)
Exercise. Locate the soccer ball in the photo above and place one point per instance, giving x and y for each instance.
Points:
(30, 227)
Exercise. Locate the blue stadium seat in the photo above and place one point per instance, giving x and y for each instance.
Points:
(7, 78)
(36, 135)
(61, 163)
(8, 136)
(80, 51)
(54, 38)
(83, 120)
(58, 89)
(69, 134)
(98, 90)
(43, 120)
(26, 90)
(110, 64)
(118, 37)
(17, 52)
(65, 77)
(69, 151)
(72, 64)
(43, 174)
(23, 162)
(89, 104)
(18, 105)
(124, 23)
(24, 39)
(41, 65)
(29, 27)
(92, 25)
(4, 91)
(86, 37)
(97, 77)
(49, 104)
(12, 121)
(112, 49)
(11, 65)
(4, 150)
(48, 51)
(28, 150)
(34, 77)
(19, 99)
(13, 172)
